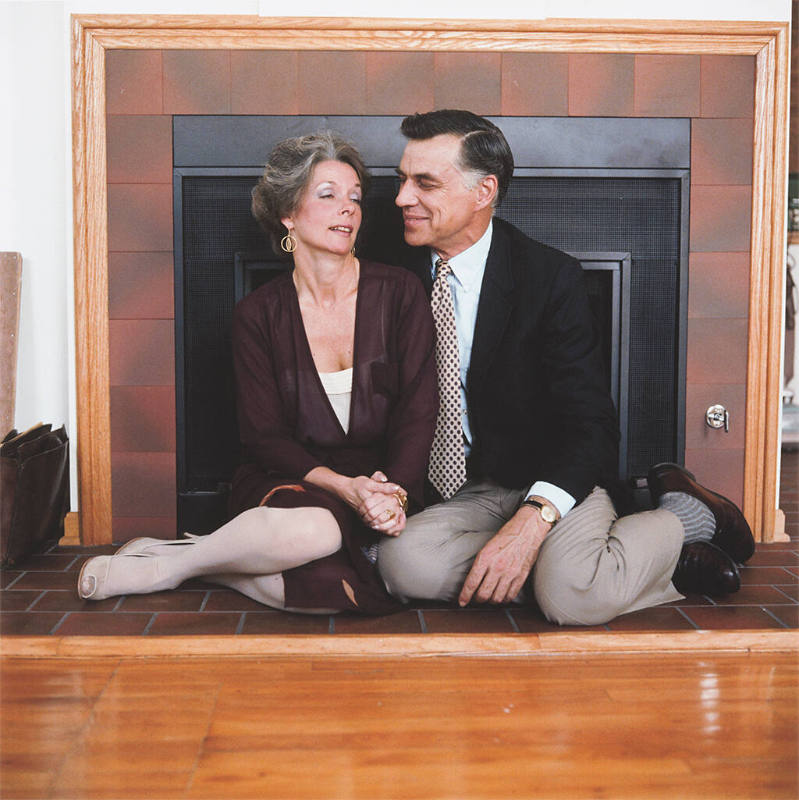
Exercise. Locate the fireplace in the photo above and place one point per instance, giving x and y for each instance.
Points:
(613, 192)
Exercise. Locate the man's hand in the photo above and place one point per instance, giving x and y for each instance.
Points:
(502, 566)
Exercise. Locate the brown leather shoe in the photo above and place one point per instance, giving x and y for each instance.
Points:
(732, 534)
(704, 568)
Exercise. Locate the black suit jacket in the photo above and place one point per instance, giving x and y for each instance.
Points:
(537, 390)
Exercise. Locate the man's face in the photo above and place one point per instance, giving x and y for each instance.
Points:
(438, 207)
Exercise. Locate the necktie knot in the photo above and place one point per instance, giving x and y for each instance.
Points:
(442, 268)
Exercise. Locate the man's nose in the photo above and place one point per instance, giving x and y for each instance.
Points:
(405, 195)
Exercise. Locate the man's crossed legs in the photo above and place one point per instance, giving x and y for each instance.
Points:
(591, 567)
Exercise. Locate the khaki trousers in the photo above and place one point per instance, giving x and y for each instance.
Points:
(591, 568)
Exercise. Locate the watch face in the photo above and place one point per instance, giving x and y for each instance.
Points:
(548, 514)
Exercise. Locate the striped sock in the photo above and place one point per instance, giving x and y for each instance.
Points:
(697, 519)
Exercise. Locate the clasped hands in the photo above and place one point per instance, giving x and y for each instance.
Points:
(379, 503)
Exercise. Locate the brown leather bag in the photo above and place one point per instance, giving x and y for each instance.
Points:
(34, 491)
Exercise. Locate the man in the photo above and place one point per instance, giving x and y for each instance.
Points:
(526, 444)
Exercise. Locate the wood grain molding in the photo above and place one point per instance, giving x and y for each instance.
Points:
(92, 35)
(10, 296)
(543, 645)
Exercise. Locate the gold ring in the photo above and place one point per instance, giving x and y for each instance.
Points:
(389, 514)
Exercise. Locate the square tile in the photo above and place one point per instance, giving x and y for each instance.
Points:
(405, 622)
(718, 285)
(8, 576)
(535, 84)
(263, 82)
(767, 576)
(469, 80)
(399, 83)
(141, 285)
(133, 82)
(143, 483)
(27, 623)
(280, 623)
(188, 624)
(47, 580)
(765, 556)
(731, 618)
(331, 82)
(18, 600)
(660, 618)
(467, 621)
(601, 85)
(721, 218)
(791, 592)
(114, 624)
(749, 595)
(721, 151)
(788, 615)
(139, 148)
(143, 418)
(47, 562)
(142, 352)
(139, 217)
(718, 352)
(68, 600)
(196, 81)
(667, 86)
(179, 600)
(728, 86)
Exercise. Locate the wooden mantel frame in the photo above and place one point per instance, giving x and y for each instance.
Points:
(93, 35)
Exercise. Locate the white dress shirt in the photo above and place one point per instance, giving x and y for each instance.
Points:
(465, 281)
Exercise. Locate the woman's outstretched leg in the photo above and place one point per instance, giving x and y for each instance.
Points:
(259, 541)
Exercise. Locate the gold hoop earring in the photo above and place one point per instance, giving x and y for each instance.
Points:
(288, 244)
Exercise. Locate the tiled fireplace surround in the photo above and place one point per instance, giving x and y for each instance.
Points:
(146, 87)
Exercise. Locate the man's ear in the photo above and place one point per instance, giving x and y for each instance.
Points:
(487, 190)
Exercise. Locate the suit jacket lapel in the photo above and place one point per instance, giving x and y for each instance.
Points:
(494, 307)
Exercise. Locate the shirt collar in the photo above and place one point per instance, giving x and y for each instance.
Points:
(468, 266)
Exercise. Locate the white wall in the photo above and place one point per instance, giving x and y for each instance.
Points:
(35, 145)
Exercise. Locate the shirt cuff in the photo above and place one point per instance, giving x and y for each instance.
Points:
(563, 501)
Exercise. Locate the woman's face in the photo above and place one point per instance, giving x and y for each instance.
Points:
(329, 214)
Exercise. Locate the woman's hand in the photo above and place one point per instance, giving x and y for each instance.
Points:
(375, 499)
(384, 510)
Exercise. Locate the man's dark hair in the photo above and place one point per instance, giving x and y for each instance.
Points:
(484, 149)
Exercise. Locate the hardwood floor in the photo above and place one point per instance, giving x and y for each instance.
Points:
(644, 726)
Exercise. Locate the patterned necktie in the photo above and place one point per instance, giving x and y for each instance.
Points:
(447, 469)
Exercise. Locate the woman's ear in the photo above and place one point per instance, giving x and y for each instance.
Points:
(288, 223)
(487, 189)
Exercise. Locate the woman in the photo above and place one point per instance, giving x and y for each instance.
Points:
(337, 400)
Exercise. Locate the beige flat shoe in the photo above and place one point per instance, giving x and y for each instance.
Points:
(93, 578)
(144, 545)
(130, 573)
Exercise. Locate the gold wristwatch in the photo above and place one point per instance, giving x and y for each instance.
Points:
(547, 511)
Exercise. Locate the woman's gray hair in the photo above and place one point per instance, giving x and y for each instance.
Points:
(288, 172)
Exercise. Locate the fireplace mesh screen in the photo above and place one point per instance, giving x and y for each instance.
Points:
(641, 216)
